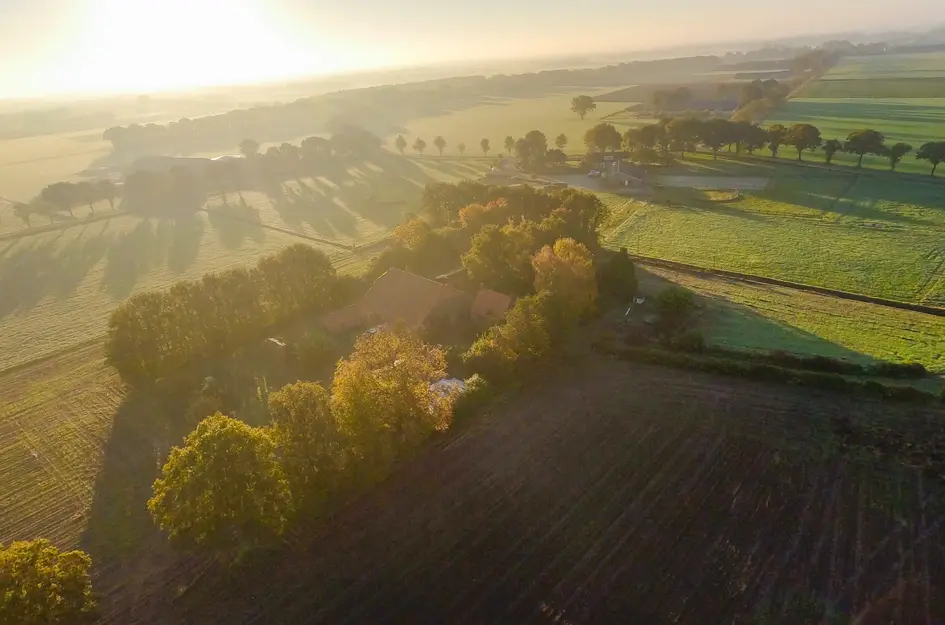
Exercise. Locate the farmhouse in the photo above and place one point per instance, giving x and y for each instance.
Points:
(400, 298)
(490, 306)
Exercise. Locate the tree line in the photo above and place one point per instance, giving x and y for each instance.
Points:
(655, 143)
(158, 334)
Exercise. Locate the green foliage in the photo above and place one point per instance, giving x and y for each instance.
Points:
(602, 137)
(674, 305)
(582, 105)
(382, 400)
(311, 447)
(40, 585)
(803, 137)
(616, 278)
(500, 258)
(155, 335)
(831, 147)
(223, 490)
(895, 153)
(528, 336)
(561, 141)
(862, 142)
(477, 395)
(933, 152)
(531, 150)
(777, 134)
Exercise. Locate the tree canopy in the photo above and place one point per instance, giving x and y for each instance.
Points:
(933, 152)
(603, 137)
(40, 585)
(566, 270)
(420, 145)
(439, 143)
(382, 398)
(485, 146)
(401, 144)
(863, 142)
(582, 105)
(803, 137)
(224, 489)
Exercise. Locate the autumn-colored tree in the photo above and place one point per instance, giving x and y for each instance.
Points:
(40, 585)
(500, 258)
(401, 144)
(582, 105)
(382, 398)
(310, 444)
(413, 233)
(510, 349)
(440, 144)
(224, 489)
(566, 270)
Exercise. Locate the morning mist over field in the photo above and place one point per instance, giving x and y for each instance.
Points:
(111, 46)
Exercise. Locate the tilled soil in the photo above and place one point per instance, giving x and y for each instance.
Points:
(610, 493)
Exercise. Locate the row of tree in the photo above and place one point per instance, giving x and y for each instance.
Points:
(231, 486)
(64, 197)
(655, 142)
(154, 335)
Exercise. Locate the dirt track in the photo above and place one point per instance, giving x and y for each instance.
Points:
(611, 494)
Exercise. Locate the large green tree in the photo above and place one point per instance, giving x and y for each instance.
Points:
(485, 146)
(863, 142)
(311, 446)
(803, 137)
(776, 136)
(933, 152)
(714, 134)
(249, 148)
(561, 141)
(566, 270)
(40, 585)
(500, 258)
(224, 489)
(582, 105)
(683, 132)
(509, 144)
(831, 147)
(420, 145)
(531, 149)
(602, 137)
(895, 153)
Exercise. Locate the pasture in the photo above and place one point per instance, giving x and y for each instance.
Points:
(496, 118)
(589, 498)
(29, 164)
(863, 232)
(753, 316)
(902, 96)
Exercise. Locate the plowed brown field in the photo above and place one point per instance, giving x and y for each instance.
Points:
(610, 493)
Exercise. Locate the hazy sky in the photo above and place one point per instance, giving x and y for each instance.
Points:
(56, 46)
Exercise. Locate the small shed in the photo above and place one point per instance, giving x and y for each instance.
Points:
(490, 306)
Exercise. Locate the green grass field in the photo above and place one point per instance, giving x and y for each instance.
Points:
(866, 232)
(761, 317)
(917, 65)
(497, 118)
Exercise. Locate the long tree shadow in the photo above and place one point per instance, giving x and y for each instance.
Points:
(235, 224)
(186, 236)
(130, 256)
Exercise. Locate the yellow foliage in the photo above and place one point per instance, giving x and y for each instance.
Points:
(567, 272)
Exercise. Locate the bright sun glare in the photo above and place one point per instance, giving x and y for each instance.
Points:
(141, 46)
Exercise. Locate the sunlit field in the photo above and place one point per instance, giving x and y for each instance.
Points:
(497, 118)
(29, 164)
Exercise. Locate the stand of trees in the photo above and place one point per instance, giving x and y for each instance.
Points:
(154, 335)
(232, 487)
(40, 585)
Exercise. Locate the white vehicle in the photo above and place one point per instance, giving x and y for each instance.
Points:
(593, 174)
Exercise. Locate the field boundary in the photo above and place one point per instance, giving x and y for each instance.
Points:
(62, 225)
(809, 288)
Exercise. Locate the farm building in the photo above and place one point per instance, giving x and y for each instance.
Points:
(490, 306)
(400, 298)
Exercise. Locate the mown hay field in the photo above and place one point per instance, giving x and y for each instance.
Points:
(497, 118)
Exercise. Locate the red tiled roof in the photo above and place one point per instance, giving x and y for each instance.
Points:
(491, 304)
(402, 297)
